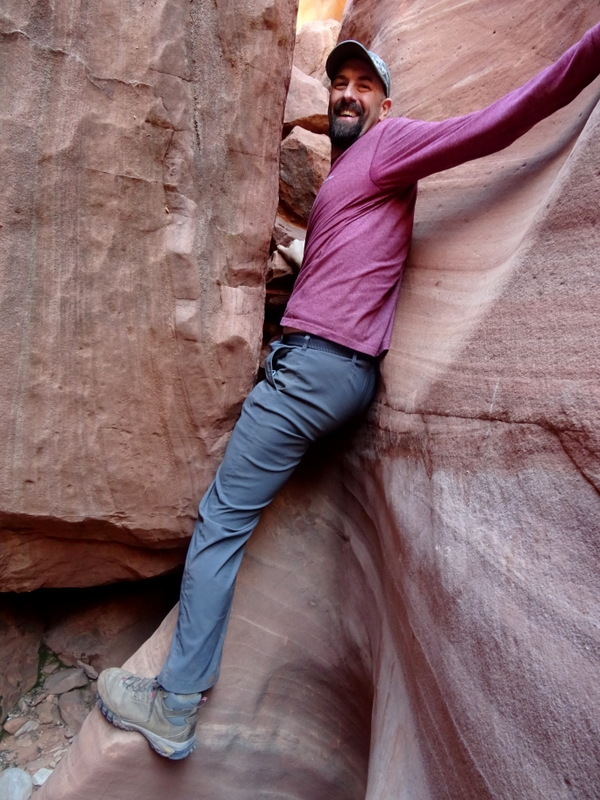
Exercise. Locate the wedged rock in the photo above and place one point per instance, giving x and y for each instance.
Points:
(139, 165)
(314, 42)
(306, 105)
(305, 162)
(278, 267)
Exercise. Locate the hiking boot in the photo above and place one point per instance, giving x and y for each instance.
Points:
(166, 719)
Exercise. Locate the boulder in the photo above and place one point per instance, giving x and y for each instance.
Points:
(305, 161)
(306, 104)
(314, 42)
(139, 164)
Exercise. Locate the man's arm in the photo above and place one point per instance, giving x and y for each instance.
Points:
(411, 149)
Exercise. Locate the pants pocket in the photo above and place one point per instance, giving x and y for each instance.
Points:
(278, 350)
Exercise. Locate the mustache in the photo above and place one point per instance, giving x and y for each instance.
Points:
(347, 105)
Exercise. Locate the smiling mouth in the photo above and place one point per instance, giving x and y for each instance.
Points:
(351, 111)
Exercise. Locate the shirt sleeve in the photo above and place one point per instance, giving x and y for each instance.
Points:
(412, 149)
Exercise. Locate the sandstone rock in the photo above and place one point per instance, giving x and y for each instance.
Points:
(277, 267)
(487, 401)
(306, 104)
(292, 684)
(74, 707)
(286, 231)
(139, 169)
(27, 727)
(431, 609)
(20, 638)
(91, 673)
(314, 42)
(47, 712)
(305, 161)
(65, 680)
(26, 749)
(13, 724)
(105, 627)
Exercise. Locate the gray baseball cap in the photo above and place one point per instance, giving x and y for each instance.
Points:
(353, 49)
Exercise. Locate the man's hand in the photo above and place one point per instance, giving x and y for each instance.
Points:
(293, 253)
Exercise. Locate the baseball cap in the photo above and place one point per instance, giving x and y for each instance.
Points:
(353, 49)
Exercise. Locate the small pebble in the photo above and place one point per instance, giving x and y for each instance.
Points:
(41, 776)
(88, 669)
(27, 727)
(13, 724)
(39, 699)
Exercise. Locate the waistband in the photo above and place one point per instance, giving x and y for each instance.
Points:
(313, 342)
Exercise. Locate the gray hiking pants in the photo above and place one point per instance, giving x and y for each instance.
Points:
(306, 393)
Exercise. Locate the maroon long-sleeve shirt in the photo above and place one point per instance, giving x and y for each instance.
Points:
(361, 222)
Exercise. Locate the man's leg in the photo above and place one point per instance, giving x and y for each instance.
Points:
(306, 394)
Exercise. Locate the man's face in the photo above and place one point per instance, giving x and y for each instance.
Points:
(357, 101)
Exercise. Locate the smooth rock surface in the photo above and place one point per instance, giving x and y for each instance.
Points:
(290, 716)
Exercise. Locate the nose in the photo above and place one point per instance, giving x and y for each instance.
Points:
(350, 91)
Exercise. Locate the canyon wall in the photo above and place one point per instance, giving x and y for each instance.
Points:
(416, 617)
(139, 164)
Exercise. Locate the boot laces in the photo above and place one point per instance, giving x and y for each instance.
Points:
(140, 687)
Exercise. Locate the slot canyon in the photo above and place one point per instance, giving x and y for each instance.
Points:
(417, 614)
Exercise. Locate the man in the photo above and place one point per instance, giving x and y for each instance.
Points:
(323, 372)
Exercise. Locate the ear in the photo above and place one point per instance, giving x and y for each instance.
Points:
(385, 108)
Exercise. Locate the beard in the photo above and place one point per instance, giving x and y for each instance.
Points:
(345, 132)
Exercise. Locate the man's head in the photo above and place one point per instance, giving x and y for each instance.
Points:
(359, 94)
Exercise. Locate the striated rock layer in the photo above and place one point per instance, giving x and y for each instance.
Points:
(417, 617)
(139, 165)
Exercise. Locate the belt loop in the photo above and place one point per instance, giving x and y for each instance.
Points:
(306, 341)
(354, 358)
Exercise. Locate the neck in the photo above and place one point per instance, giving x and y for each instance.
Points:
(336, 152)
(339, 149)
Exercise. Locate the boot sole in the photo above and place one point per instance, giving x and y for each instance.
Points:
(164, 747)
